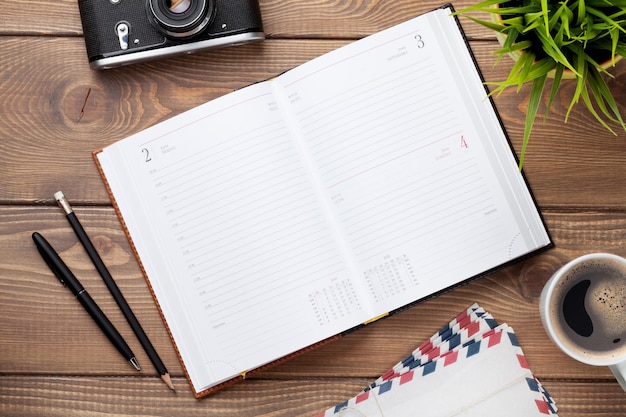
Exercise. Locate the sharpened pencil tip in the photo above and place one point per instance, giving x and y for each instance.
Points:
(168, 381)
(133, 361)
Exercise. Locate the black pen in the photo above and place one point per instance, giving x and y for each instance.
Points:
(67, 278)
(113, 288)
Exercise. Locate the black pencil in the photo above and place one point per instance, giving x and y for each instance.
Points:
(113, 288)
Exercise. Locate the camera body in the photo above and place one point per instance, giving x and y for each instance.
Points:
(121, 32)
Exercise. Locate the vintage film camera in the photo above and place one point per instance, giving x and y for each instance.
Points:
(121, 32)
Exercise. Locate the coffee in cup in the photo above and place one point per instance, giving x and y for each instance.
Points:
(583, 309)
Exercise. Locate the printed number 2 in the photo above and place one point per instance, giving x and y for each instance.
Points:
(146, 152)
(419, 41)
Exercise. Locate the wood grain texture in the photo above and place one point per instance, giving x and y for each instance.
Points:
(97, 396)
(61, 396)
(54, 112)
(36, 311)
(57, 115)
(346, 19)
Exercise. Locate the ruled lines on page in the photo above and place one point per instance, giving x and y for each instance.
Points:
(251, 235)
(410, 112)
(402, 163)
(261, 276)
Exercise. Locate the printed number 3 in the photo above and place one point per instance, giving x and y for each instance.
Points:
(419, 41)
(146, 152)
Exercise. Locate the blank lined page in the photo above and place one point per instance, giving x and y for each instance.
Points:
(235, 243)
(406, 167)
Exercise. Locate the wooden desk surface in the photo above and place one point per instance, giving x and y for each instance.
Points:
(55, 111)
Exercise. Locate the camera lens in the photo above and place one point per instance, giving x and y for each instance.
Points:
(180, 18)
(178, 6)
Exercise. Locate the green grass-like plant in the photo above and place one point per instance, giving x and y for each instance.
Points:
(553, 38)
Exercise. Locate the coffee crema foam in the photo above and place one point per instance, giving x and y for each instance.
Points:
(603, 302)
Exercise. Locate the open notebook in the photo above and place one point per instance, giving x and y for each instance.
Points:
(293, 210)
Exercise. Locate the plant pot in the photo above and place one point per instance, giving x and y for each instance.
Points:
(567, 73)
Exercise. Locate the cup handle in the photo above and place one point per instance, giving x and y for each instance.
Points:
(619, 370)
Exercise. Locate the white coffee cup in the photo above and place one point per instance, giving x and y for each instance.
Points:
(583, 309)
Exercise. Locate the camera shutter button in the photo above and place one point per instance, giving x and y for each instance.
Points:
(122, 30)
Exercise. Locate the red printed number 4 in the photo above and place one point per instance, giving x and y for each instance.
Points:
(464, 142)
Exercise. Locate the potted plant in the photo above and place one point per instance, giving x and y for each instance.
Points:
(558, 39)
